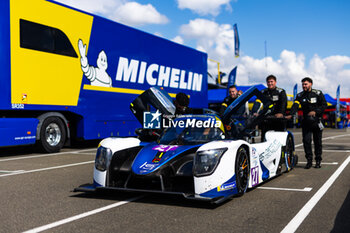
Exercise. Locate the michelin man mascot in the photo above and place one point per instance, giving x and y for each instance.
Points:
(97, 75)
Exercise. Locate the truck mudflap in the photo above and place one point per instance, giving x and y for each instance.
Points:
(18, 131)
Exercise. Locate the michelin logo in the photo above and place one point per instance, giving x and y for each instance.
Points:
(226, 186)
(135, 71)
(151, 120)
(154, 74)
(97, 75)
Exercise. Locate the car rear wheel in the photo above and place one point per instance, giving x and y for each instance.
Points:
(290, 158)
(242, 170)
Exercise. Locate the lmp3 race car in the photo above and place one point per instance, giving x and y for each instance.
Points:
(200, 156)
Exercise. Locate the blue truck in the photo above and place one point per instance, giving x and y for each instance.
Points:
(67, 74)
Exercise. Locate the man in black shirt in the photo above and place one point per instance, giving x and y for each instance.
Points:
(233, 94)
(313, 104)
(181, 103)
(278, 98)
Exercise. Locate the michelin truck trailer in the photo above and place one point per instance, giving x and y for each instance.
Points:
(69, 74)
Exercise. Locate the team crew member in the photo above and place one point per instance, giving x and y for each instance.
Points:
(313, 104)
(233, 94)
(278, 98)
(181, 103)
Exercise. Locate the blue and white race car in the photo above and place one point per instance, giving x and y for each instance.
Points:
(199, 156)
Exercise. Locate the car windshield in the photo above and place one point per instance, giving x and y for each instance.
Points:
(190, 135)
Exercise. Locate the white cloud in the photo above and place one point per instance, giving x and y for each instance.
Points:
(93, 6)
(290, 68)
(204, 7)
(218, 41)
(212, 38)
(199, 28)
(135, 14)
(178, 39)
(130, 13)
(336, 62)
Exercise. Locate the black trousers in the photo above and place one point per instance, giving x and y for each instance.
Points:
(312, 130)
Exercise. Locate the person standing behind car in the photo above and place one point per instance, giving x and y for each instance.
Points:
(233, 94)
(313, 104)
(278, 98)
(181, 103)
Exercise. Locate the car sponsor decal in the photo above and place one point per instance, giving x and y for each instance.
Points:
(254, 152)
(255, 157)
(153, 156)
(145, 167)
(164, 148)
(226, 189)
(158, 157)
(226, 186)
(255, 175)
(273, 147)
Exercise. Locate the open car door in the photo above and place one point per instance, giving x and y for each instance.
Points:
(151, 100)
(241, 124)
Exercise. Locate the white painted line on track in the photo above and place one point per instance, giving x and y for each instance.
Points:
(7, 171)
(339, 151)
(85, 153)
(334, 143)
(47, 168)
(294, 224)
(44, 155)
(79, 216)
(306, 189)
(332, 137)
(324, 163)
(337, 136)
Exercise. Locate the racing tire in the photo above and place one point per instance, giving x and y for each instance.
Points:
(242, 170)
(52, 135)
(290, 157)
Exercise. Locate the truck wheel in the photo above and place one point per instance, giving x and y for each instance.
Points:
(52, 135)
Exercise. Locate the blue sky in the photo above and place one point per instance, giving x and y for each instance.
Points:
(303, 37)
(304, 26)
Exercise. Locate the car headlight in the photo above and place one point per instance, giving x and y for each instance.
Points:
(206, 161)
(103, 157)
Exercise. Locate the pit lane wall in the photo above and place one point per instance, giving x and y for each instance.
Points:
(62, 60)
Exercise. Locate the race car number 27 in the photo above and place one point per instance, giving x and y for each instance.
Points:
(255, 175)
